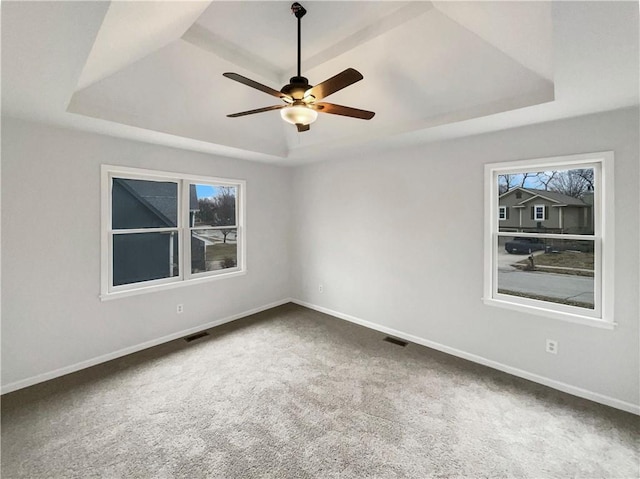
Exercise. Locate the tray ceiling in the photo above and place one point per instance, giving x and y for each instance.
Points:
(153, 70)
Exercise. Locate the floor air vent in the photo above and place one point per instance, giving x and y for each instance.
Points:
(193, 337)
(397, 341)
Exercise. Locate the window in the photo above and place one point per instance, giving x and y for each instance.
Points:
(165, 230)
(554, 256)
(213, 228)
(144, 231)
(538, 212)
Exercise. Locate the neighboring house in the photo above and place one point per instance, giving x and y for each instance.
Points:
(146, 256)
(529, 210)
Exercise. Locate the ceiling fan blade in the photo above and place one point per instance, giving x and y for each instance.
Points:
(343, 110)
(335, 83)
(302, 127)
(254, 84)
(259, 110)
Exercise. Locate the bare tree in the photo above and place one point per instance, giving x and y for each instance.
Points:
(587, 176)
(569, 182)
(545, 178)
(506, 183)
(206, 212)
(225, 215)
(525, 176)
(219, 210)
(573, 183)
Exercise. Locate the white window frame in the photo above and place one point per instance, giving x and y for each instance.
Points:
(502, 213)
(535, 212)
(184, 277)
(188, 230)
(603, 164)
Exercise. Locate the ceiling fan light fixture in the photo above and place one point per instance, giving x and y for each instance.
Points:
(299, 115)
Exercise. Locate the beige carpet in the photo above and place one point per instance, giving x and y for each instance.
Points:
(292, 393)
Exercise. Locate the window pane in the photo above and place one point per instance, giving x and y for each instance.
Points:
(213, 250)
(144, 204)
(211, 205)
(144, 257)
(555, 201)
(555, 270)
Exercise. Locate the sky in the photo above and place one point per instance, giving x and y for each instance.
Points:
(532, 181)
(207, 191)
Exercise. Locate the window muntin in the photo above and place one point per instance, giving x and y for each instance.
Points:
(155, 236)
(556, 232)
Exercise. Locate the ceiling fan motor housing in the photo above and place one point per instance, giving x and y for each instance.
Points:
(296, 88)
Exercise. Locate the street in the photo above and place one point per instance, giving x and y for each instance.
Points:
(563, 286)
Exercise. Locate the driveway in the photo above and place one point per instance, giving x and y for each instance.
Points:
(505, 260)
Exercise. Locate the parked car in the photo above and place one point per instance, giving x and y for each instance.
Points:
(526, 245)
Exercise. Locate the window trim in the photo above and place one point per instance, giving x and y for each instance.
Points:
(502, 217)
(535, 212)
(107, 290)
(603, 238)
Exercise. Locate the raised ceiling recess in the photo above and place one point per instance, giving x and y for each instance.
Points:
(424, 66)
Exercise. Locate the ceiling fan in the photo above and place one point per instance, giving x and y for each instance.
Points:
(301, 105)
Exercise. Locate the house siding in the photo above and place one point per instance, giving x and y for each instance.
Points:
(575, 219)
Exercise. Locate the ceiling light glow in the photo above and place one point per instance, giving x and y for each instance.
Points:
(299, 115)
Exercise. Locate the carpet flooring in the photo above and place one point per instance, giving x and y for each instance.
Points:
(293, 393)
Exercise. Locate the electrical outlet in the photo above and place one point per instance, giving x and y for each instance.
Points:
(180, 309)
(321, 288)
(552, 346)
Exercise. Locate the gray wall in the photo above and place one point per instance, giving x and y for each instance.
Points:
(52, 317)
(396, 239)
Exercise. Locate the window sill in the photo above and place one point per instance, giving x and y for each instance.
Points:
(569, 317)
(162, 287)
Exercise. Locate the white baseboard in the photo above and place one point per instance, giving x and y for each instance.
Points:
(552, 383)
(133, 349)
(568, 388)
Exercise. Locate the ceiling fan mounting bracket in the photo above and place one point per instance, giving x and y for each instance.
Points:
(298, 10)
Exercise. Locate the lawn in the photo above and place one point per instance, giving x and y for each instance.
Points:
(220, 251)
(565, 262)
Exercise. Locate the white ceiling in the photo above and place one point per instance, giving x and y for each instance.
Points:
(152, 71)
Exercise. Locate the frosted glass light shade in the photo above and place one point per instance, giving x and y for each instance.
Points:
(299, 115)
